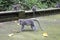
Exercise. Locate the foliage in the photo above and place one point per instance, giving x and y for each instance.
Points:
(27, 4)
(4, 4)
(41, 3)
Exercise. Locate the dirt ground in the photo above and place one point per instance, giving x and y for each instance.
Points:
(51, 25)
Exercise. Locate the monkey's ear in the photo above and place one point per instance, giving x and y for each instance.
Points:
(20, 20)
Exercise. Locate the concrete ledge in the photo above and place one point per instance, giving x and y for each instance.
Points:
(40, 10)
(16, 14)
(29, 11)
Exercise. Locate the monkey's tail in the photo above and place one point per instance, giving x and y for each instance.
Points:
(37, 20)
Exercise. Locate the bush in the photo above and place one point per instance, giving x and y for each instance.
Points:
(27, 4)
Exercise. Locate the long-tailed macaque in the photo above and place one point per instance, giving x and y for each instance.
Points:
(16, 7)
(58, 5)
(30, 22)
(34, 10)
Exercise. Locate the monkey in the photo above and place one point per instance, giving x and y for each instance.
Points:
(16, 7)
(30, 22)
(34, 10)
(27, 22)
(58, 5)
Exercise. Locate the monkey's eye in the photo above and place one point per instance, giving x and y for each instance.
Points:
(21, 20)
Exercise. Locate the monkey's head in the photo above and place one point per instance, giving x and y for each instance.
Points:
(20, 21)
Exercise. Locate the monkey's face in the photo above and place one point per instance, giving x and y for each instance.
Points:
(21, 22)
